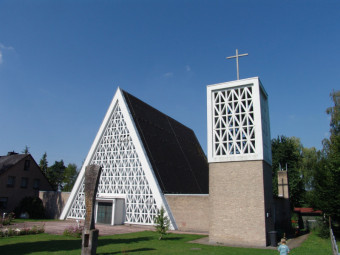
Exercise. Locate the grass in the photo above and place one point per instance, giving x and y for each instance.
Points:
(31, 220)
(143, 243)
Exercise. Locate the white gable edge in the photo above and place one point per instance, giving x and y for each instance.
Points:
(89, 157)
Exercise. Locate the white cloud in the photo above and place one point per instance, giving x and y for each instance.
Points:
(2, 49)
(187, 68)
(168, 74)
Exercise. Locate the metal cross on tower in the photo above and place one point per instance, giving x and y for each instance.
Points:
(237, 56)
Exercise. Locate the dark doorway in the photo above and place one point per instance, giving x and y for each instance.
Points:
(104, 213)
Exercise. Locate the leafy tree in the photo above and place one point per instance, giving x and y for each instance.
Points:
(43, 164)
(70, 177)
(310, 158)
(55, 174)
(287, 152)
(327, 175)
(162, 223)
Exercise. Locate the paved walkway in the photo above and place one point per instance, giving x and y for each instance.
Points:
(292, 243)
(58, 227)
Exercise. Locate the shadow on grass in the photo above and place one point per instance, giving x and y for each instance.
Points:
(62, 245)
(174, 238)
(127, 251)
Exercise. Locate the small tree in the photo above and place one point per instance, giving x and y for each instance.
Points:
(26, 150)
(162, 222)
(43, 164)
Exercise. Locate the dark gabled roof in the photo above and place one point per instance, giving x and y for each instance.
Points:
(7, 162)
(174, 152)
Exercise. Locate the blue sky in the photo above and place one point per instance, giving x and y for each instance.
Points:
(62, 61)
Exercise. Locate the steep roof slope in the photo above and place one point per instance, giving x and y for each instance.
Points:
(175, 154)
(7, 162)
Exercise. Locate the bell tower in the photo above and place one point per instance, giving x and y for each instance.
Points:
(239, 156)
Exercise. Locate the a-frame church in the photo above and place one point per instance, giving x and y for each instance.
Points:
(150, 161)
(145, 155)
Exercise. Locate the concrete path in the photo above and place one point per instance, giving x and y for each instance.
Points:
(292, 243)
(58, 227)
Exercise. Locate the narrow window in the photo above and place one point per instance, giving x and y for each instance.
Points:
(10, 181)
(24, 182)
(27, 165)
(36, 184)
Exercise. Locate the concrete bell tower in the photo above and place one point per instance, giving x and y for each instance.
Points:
(239, 156)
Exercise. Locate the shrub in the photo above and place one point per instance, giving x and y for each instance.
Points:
(31, 205)
(7, 219)
(323, 229)
(162, 223)
(75, 231)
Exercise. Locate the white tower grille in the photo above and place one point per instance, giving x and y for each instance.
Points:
(233, 122)
(238, 121)
(122, 174)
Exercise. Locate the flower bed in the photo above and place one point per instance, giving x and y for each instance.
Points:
(6, 232)
(75, 231)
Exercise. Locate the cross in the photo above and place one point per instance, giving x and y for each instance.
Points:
(237, 56)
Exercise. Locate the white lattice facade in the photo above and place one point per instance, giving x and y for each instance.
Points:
(238, 121)
(125, 170)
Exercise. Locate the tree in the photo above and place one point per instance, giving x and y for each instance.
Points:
(162, 223)
(327, 175)
(70, 177)
(310, 158)
(43, 164)
(286, 152)
(55, 174)
(26, 150)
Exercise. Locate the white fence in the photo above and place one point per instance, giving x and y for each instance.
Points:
(334, 245)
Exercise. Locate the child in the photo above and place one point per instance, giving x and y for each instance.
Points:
(283, 248)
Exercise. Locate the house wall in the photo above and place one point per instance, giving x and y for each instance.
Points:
(191, 212)
(54, 202)
(240, 198)
(16, 193)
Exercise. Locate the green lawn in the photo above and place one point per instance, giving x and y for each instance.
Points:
(142, 243)
(31, 220)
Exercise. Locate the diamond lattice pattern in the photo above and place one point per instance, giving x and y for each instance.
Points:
(233, 122)
(122, 174)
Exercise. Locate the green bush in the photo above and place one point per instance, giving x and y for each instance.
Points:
(7, 220)
(31, 205)
(322, 229)
(162, 223)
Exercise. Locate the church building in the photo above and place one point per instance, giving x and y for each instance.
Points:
(145, 156)
(150, 160)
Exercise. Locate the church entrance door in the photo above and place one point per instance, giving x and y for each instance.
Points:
(104, 213)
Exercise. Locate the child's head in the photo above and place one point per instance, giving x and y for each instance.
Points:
(283, 241)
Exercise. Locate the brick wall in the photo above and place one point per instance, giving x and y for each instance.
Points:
(240, 197)
(191, 212)
(54, 202)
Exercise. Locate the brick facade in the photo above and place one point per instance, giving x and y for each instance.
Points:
(191, 212)
(240, 203)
